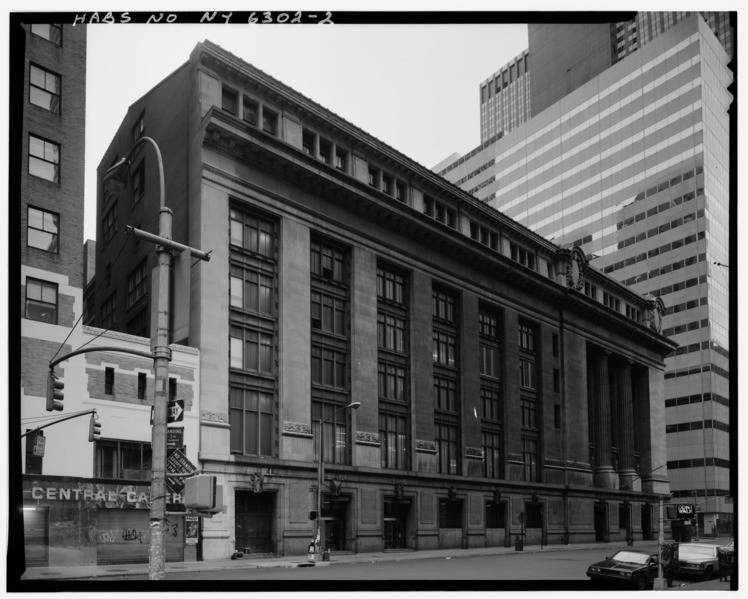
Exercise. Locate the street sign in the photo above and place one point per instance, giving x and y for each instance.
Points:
(685, 511)
(176, 411)
(39, 444)
(175, 437)
(177, 462)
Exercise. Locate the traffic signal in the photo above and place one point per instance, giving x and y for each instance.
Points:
(54, 392)
(94, 428)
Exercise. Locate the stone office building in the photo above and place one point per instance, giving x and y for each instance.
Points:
(496, 398)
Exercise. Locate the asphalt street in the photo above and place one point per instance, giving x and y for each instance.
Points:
(513, 568)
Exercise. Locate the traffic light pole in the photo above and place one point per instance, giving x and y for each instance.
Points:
(161, 357)
(78, 415)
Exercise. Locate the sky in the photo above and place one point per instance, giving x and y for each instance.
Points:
(414, 87)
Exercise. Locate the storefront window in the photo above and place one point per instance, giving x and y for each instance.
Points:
(127, 460)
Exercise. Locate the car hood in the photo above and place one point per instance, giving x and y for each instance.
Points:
(612, 564)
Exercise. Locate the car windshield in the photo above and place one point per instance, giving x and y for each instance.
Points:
(631, 557)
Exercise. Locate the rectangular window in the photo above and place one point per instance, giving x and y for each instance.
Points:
(251, 419)
(138, 129)
(450, 513)
(529, 412)
(308, 142)
(253, 234)
(387, 184)
(524, 256)
(391, 333)
(393, 435)
(251, 350)
(269, 121)
(373, 176)
(445, 394)
(44, 89)
(328, 313)
(556, 380)
(444, 349)
(341, 159)
(328, 367)
(391, 382)
(44, 159)
(529, 458)
(137, 283)
(489, 360)
(327, 262)
(492, 463)
(401, 191)
(42, 229)
(128, 460)
(335, 433)
(109, 223)
(138, 182)
(251, 291)
(50, 32)
(446, 441)
(491, 409)
(229, 100)
(109, 381)
(390, 286)
(142, 381)
(108, 309)
(443, 306)
(139, 324)
(325, 150)
(41, 301)
(251, 110)
(554, 344)
(556, 416)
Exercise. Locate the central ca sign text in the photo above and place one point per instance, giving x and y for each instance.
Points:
(69, 494)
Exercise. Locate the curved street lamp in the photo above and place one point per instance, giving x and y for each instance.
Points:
(160, 349)
(354, 405)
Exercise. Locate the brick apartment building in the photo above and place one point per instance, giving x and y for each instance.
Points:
(75, 498)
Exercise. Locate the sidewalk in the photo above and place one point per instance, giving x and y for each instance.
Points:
(119, 570)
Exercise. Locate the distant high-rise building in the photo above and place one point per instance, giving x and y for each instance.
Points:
(561, 57)
(505, 98)
(632, 166)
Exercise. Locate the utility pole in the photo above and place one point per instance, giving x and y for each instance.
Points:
(161, 358)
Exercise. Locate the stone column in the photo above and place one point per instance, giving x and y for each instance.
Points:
(627, 473)
(604, 473)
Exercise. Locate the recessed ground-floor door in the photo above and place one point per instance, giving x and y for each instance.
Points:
(396, 524)
(254, 521)
(36, 536)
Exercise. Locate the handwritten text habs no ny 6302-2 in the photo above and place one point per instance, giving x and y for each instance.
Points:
(254, 17)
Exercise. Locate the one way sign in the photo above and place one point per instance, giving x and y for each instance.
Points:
(176, 411)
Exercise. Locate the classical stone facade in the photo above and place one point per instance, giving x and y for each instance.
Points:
(344, 275)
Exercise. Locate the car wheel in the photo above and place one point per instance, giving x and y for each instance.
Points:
(709, 573)
(641, 583)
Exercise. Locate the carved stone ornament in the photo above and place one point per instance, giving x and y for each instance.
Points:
(299, 429)
(575, 267)
(475, 453)
(655, 312)
(220, 417)
(367, 438)
(424, 446)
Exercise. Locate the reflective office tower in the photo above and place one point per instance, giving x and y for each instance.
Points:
(633, 167)
(561, 57)
(505, 98)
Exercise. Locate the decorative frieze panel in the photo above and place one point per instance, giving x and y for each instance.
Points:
(208, 417)
(297, 429)
(474, 453)
(424, 446)
(367, 438)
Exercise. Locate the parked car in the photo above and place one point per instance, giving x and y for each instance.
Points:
(698, 559)
(626, 568)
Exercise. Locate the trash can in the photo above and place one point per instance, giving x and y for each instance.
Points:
(519, 544)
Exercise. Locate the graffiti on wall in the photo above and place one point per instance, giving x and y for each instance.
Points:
(119, 535)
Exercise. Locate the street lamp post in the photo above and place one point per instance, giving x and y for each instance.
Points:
(321, 472)
(161, 357)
